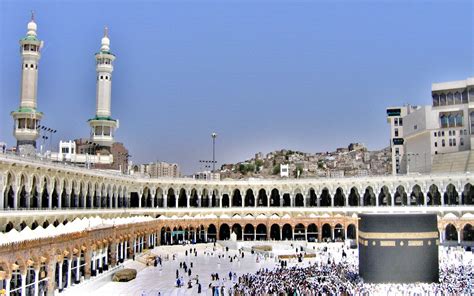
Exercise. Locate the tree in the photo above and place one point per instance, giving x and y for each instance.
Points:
(298, 170)
(276, 169)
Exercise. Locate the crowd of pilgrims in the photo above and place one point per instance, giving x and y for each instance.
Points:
(333, 271)
(340, 277)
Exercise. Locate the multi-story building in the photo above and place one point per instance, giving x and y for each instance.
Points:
(162, 169)
(436, 137)
(159, 169)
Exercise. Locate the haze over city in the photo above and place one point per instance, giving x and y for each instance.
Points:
(307, 76)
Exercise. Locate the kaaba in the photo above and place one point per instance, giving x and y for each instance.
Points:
(398, 248)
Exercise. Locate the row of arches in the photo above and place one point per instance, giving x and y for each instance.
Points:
(23, 191)
(251, 232)
(384, 197)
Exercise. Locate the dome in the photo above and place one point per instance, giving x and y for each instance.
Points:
(105, 41)
(32, 28)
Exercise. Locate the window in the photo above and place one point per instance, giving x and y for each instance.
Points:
(457, 98)
(435, 100)
(397, 151)
(454, 142)
(443, 143)
(461, 141)
(436, 152)
(415, 127)
(434, 134)
(442, 100)
(444, 121)
(31, 66)
(395, 121)
(465, 132)
(400, 122)
(471, 95)
(450, 142)
(458, 119)
(442, 133)
(472, 121)
(454, 132)
(449, 133)
(396, 132)
(436, 144)
(464, 97)
(439, 134)
(450, 99)
(101, 77)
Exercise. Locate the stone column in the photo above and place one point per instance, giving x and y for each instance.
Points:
(318, 199)
(255, 233)
(51, 278)
(332, 199)
(205, 235)
(2, 195)
(332, 233)
(36, 292)
(15, 199)
(376, 200)
(23, 283)
(60, 273)
(87, 268)
(27, 198)
(153, 204)
(442, 192)
(392, 198)
(459, 236)
(69, 271)
(305, 234)
(165, 200)
(281, 233)
(125, 250)
(7, 286)
(100, 257)
(78, 269)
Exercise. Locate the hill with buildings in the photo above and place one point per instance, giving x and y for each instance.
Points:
(355, 160)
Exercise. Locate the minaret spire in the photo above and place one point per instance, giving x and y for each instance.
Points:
(102, 125)
(33, 15)
(27, 117)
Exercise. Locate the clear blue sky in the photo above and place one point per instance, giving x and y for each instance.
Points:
(265, 75)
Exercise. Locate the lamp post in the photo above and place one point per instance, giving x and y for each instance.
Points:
(214, 136)
(51, 132)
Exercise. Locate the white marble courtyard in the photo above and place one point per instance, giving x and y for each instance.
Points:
(214, 259)
(151, 280)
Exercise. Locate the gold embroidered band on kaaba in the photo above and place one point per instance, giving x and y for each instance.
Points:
(397, 235)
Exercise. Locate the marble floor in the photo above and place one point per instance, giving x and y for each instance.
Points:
(152, 280)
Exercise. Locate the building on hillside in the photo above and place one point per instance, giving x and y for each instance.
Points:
(207, 175)
(284, 170)
(418, 134)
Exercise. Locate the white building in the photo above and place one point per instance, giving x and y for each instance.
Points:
(284, 170)
(68, 152)
(207, 175)
(434, 138)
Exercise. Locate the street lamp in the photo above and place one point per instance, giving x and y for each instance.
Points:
(214, 136)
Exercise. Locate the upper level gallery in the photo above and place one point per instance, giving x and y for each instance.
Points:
(33, 184)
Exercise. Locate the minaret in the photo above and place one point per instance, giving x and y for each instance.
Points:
(102, 124)
(27, 117)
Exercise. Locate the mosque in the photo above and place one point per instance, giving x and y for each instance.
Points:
(62, 224)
